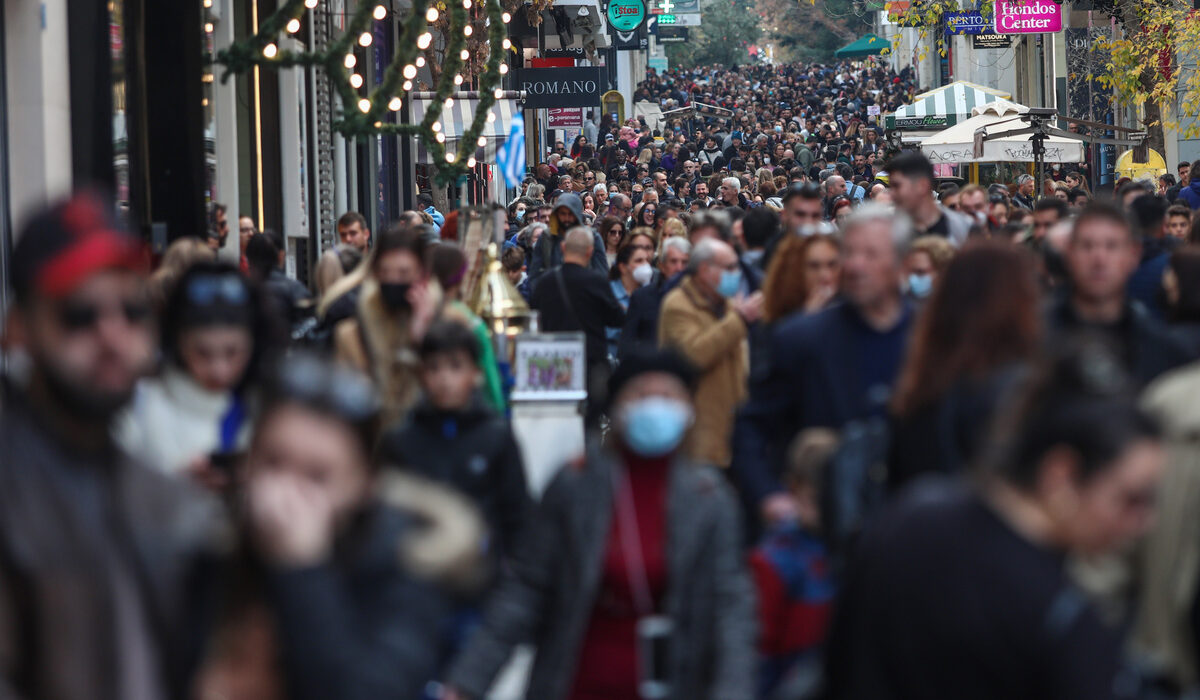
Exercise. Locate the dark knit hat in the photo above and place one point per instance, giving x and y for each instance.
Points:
(643, 361)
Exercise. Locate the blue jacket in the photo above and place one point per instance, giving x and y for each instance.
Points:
(438, 219)
(1191, 195)
(825, 370)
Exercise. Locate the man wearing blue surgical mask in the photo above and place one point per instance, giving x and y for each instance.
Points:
(706, 320)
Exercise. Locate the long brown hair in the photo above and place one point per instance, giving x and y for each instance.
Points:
(786, 287)
(982, 315)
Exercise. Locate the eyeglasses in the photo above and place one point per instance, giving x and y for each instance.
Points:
(77, 316)
(206, 290)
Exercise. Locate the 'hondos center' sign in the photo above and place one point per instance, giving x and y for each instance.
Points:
(1028, 16)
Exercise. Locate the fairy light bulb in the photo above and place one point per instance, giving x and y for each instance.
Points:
(437, 126)
(293, 26)
(407, 85)
(380, 12)
(506, 18)
(464, 54)
(207, 3)
(481, 141)
(503, 68)
(350, 61)
(466, 4)
(491, 117)
(449, 102)
(499, 93)
(471, 162)
(449, 157)
(310, 4)
(208, 27)
(431, 15)
(356, 80)
(440, 137)
(364, 105)
(467, 31)
(365, 39)
(394, 104)
(506, 44)
(458, 80)
(410, 71)
(270, 50)
(424, 41)
(420, 61)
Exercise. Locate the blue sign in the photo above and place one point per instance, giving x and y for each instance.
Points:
(966, 23)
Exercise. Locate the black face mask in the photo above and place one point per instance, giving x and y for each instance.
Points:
(395, 296)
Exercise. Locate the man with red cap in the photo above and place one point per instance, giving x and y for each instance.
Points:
(93, 547)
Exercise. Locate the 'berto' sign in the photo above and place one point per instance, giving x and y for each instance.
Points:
(1028, 16)
(561, 87)
(626, 15)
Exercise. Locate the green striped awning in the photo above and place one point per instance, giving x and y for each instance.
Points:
(944, 107)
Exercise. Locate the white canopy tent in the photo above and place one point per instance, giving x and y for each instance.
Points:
(956, 144)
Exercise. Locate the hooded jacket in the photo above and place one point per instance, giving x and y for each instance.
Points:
(1191, 195)
(547, 254)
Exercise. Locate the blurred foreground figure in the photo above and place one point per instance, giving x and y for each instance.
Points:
(94, 548)
(326, 597)
(960, 592)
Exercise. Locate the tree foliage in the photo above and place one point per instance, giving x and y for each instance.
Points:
(807, 30)
(730, 27)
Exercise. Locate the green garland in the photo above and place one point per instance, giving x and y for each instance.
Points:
(243, 55)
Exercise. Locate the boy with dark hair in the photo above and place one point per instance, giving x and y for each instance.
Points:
(513, 261)
(454, 437)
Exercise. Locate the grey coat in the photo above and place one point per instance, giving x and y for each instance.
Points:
(548, 595)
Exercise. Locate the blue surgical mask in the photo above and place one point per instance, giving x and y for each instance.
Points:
(654, 426)
(520, 214)
(920, 285)
(731, 282)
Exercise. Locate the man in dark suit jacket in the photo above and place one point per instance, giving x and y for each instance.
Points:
(832, 367)
(572, 297)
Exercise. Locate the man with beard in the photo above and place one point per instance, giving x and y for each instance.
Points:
(95, 549)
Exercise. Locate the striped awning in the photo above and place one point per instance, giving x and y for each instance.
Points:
(457, 118)
(944, 107)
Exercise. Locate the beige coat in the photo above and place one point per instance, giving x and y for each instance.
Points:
(1168, 561)
(713, 338)
(378, 343)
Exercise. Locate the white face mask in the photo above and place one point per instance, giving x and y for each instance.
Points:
(642, 274)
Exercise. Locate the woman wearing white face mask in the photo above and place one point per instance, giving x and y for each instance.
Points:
(630, 271)
(629, 582)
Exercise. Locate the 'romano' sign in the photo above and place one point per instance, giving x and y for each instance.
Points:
(561, 87)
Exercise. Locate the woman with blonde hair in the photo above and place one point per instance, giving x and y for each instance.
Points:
(645, 156)
(180, 255)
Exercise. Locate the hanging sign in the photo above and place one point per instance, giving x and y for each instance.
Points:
(564, 117)
(966, 23)
(991, 41)
(633, 40)
(561, 87)
(626, 15)
(1028, 16)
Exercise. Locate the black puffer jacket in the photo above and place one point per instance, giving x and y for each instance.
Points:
(473, 451)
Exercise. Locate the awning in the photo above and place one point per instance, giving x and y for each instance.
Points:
(944, 107)
(957, 143)
(866, 45)
(457, 118)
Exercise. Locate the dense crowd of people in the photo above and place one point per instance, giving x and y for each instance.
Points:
(852, 433)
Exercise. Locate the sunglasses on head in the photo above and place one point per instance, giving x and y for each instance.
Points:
(206, 290)
(344, 392)
(77, 316)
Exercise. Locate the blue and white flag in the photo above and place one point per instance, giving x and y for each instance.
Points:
(511, 157)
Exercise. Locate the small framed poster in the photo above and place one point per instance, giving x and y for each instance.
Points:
(550, 367)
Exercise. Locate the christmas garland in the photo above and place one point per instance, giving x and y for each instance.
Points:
(364, 114)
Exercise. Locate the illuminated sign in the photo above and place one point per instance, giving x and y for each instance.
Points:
(626, 15)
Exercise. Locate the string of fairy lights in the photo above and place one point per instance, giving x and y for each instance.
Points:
(367, 112)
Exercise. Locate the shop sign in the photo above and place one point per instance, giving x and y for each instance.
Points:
(561, 87)
(1028, 16)
(626, 15)
(966, 23)
(992, 41)
(564, 117)
(931, 122)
